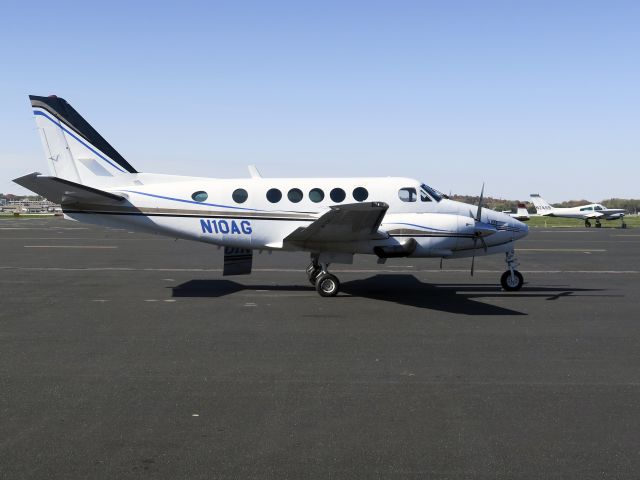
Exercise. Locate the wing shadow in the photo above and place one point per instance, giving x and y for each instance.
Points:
(400, 289)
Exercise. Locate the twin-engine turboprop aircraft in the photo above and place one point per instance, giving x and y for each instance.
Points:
(592, 211)
(332, 218)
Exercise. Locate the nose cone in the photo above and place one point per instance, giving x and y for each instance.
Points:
(520, 229)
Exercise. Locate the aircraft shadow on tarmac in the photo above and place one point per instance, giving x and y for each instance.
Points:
(401, 289)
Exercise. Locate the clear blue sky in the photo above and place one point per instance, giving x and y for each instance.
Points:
(538, 96)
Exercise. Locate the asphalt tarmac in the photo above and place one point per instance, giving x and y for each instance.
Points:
(129, 356)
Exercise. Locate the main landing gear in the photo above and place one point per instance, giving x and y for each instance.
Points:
(327, 285)
(511, 280)
(587, 223)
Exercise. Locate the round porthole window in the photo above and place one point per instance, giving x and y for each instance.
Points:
(294, 195)
(360, 194)
(240, 195)
(200, 196)
(274, 195)
(316, 195)
(338, 195)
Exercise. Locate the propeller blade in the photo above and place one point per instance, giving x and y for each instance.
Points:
(473, 261)
(479, 214)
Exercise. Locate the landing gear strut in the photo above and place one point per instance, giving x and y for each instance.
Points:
(511, 280)
(313, 270)
(327, 285)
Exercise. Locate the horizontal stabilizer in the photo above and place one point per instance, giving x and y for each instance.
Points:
(66, 192)
(343, 223)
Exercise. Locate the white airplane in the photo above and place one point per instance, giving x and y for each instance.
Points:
(332, 218)
(592, 211)
(521, 214)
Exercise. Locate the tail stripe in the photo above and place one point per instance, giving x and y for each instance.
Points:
(58, 108)
(38, 112)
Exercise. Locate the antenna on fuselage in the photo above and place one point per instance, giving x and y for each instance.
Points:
(253, 171)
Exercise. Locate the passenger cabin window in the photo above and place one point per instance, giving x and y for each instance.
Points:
(240, 195)
(360, 194)
(586, 209)
(199, 196)
(316, 195)
(407, 194)
(338, 195)
(294, 195)
(274, 195)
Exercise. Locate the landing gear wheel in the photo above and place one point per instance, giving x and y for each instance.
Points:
(598, 224)
(624, 225)
(587, 223)
(511, 283)
(327, 285)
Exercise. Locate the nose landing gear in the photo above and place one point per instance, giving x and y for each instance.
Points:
(511, 280)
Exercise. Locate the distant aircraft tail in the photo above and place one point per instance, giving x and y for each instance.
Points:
(522, 213)
(75, 151)
(542, 207)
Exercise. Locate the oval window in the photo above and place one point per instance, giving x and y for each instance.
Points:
(316, 195)
(274, 195)
(295, 195)
(338, 195)
(240, 195)
(360, 194)
(200, 196)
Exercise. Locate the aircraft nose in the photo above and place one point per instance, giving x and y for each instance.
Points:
(520, 229)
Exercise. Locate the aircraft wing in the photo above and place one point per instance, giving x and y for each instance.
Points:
(66, 192)
(343, 223)
(594, 215)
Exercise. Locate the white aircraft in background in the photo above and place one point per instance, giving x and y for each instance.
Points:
(332, 218)
(521, 214)
(592, 211)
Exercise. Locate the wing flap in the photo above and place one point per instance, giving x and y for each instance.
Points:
(66, 192)
(343, 223)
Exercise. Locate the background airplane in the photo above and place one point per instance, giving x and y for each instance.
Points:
(331, 218)
(592, 211)
(521, 214)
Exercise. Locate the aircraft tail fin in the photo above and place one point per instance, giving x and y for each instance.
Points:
(542, 207)
(75, 151)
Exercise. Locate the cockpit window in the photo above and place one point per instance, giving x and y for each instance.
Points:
(407, 194)
(427, 193)
(598, 207)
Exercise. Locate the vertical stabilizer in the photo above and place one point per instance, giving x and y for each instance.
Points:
(75, 151)
(542, 207)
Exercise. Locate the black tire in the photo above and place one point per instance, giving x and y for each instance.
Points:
(327, 285)
(507, 282)
(587, 224)
(598, 225)
(624, 225)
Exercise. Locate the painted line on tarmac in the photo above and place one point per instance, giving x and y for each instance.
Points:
(571, 250)
(297, 270)
(72, 246)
